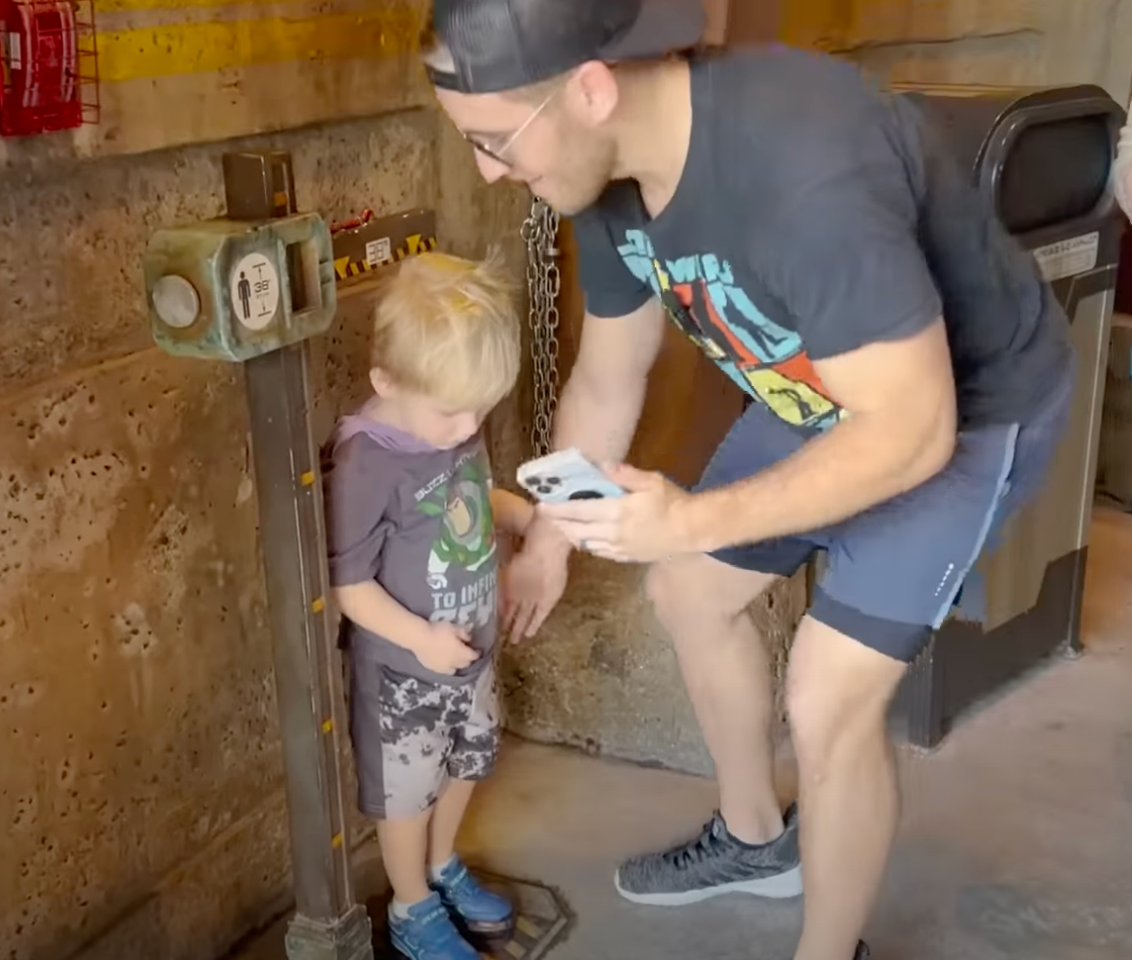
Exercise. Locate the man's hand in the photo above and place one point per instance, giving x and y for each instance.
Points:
(534, 581)
(444, 649)
(645, 525)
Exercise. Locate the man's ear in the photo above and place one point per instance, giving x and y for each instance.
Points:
(595, 91)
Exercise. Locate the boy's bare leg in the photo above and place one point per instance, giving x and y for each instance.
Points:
(484, 913)
(404, 849)
(447, 816)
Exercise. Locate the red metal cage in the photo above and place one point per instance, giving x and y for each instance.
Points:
(49, 64)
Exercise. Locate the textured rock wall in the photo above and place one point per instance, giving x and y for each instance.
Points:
(140, 782)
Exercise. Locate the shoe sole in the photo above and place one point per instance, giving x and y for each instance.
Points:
(781, 886)
(481, 934)
(402, 952)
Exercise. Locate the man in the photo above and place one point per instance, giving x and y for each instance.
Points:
(1122, 172)
(909, 373)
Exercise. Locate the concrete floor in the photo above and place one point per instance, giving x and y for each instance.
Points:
(1016, 841)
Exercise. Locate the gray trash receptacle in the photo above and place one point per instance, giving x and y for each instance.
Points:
(1042, 158)
(1114, 461)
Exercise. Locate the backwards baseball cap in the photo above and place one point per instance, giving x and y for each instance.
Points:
(500, 45)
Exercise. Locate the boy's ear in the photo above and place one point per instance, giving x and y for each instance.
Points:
(382, 383)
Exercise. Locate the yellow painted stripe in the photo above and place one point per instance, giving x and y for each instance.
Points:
(810, 23)
(528, 929)
(209, 47)
(118, 6)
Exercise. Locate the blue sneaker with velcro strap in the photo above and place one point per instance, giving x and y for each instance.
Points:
(428, 933)
(479, 912)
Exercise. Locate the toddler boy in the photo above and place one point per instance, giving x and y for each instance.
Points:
(411, 527)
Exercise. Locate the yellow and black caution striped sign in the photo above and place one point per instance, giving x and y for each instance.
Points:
(347, 268)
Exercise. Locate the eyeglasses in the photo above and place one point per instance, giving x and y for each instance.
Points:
(498, 154)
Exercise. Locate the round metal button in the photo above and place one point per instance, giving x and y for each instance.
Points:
(176, 301)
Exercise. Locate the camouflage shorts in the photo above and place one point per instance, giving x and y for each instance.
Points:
(411, 736)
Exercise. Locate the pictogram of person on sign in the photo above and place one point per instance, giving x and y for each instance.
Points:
(245, 291)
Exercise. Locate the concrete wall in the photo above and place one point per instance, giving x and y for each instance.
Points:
(140, 772)
(1024, 42)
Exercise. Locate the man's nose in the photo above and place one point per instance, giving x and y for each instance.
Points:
(491, 170)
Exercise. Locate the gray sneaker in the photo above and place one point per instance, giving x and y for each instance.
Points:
(713, 864)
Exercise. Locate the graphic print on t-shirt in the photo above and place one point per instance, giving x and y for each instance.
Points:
(763, 358)
(465, 540)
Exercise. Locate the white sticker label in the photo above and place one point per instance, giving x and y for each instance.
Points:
(255, 291)
(379, 252)
(1069, 257)
(15, 51)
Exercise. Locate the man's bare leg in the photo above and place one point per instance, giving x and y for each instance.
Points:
(838, 692)
(745, 849)
(703, 603)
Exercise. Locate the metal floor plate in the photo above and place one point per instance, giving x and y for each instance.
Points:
(542, 921)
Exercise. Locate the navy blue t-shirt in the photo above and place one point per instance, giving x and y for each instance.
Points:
(816, 215)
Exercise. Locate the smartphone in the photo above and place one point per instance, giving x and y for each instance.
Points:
(566, 475)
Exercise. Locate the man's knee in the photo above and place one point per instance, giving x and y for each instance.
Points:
(664, 591)
(837, 694)
(699, 590)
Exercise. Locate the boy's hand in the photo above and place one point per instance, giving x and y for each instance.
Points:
(445, 649)
(534, 580)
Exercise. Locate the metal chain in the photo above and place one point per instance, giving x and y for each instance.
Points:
(540, 233)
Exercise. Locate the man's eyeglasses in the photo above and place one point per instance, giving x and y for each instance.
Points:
(499, 154)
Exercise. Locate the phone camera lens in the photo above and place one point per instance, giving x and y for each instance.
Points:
(554, 481)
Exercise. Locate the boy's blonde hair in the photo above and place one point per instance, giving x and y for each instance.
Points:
(448, 328)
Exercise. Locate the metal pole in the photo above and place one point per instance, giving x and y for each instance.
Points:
(329, 924)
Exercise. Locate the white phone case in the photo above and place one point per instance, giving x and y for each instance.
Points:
(566, 475)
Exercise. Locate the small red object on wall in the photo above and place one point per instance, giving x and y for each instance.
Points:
(48, 66)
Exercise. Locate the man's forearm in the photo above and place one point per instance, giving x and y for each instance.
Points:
(373, 609)
(856, 465)
(600, 425)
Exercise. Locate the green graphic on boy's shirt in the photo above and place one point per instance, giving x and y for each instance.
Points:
(466, 533)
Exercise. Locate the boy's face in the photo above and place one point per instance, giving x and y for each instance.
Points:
(426, 418)
(437, 425)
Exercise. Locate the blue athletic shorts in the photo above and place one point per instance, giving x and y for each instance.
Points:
(895, 571)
